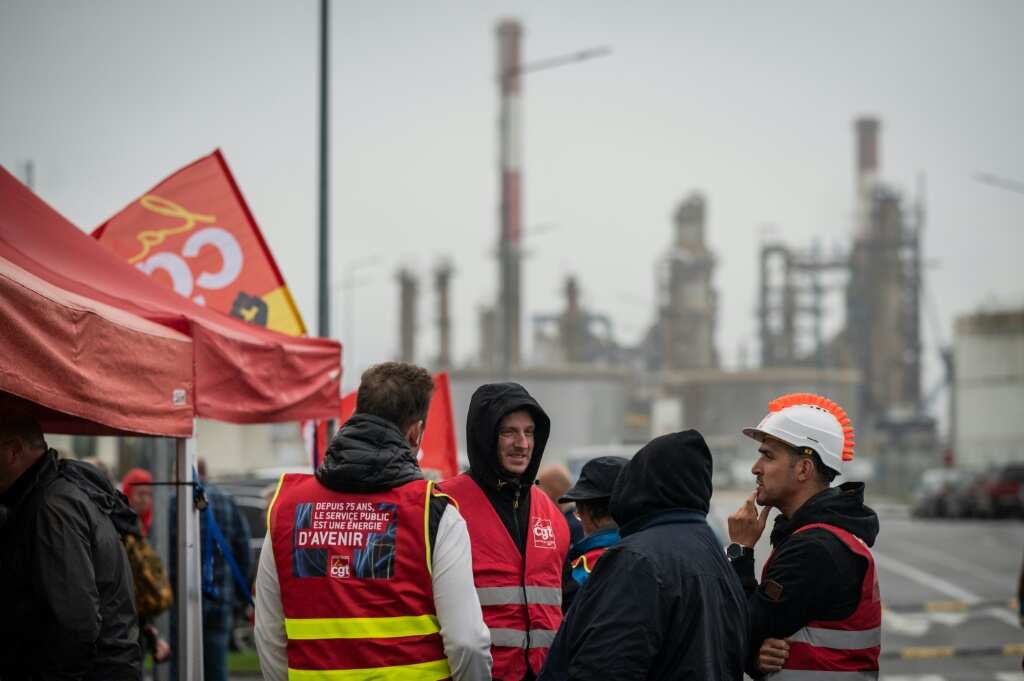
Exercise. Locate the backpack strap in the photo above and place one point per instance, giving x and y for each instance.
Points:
(214, 534)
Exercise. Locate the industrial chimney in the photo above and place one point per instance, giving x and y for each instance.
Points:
(509, 33)
(867, 132)
(442, 282)
(408, 290)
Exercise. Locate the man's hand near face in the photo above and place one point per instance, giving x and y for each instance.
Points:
(746, 525)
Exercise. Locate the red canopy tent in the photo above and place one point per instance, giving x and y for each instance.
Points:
(243, 373)
(240, 373)
(82, 366)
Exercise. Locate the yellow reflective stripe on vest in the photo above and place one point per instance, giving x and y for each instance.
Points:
(426, 528)
(361, 627)
(423, 671)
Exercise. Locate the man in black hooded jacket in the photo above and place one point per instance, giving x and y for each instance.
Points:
(520, 538)
(663, 603)
(65, 582)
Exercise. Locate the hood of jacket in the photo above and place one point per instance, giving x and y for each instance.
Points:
(842, 506)
(489, 404)
(368, 454)
(670, 473)
(97, 487)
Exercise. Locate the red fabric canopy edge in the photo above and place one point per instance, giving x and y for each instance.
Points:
(87, 367)
(243, 373)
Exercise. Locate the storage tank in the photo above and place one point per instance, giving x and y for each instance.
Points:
(989, 388)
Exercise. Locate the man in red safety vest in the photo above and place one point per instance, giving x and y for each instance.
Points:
(366, 571)
(520, 538)
(817, 611)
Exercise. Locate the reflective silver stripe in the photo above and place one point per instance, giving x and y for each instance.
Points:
(839, 639)
(512, 595)
(508, 638)
(818, 675)
(542, 638)
(514, 638)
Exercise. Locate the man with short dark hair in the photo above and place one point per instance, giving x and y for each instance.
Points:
(817, 608)
(592, 495)
(366, 571)
(65, 582)
(519, 536)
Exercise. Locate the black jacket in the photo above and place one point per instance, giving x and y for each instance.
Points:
(814, 575)
(510, 497)
(369, 454)
(65, 584)
(663, 603)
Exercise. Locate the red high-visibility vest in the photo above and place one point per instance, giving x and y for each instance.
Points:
(356, 586)
(522, 603)
(850, 646)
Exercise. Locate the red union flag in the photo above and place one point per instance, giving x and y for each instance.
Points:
(438, 449)
(194, 233)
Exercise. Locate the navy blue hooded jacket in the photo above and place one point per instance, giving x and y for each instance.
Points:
(664, 603)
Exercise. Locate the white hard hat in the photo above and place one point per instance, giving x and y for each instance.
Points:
(808, 421)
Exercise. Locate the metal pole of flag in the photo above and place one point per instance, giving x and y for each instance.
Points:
(324, 256)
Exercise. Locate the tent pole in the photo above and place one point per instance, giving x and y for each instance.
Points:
(190, 609)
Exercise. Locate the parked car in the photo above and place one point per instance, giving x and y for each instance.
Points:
(961, 499)
(930, 498)
(999, 493)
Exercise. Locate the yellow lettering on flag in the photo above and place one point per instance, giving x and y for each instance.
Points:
(195, 234)
(154, 237)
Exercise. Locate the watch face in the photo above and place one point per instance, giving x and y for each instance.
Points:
(733, 551)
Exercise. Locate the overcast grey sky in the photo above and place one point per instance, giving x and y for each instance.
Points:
(750, 103)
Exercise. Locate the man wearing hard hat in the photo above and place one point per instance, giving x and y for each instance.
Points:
(817, 607)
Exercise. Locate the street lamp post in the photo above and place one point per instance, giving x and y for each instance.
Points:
(510, 71)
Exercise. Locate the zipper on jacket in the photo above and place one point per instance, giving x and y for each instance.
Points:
(522, 576)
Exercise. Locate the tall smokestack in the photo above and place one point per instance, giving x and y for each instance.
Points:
(442, 282)
(408, 289)
(572, 323)
(488, 341)
(510, 213)
(868, 130)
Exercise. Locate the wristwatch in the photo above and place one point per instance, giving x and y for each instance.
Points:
(736, 551)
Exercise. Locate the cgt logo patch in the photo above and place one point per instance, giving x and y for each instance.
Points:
(340, 567)
(543, 534)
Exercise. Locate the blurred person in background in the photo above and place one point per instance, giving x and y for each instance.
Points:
(225, 591)
(817, 607)
(149, 577)
(137, 485)
(398, 603)
(663, 603)
(65, 582)
(554, 480)
(520, 538)
(592, 497)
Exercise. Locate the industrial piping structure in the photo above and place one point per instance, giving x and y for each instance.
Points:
(881, 337)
